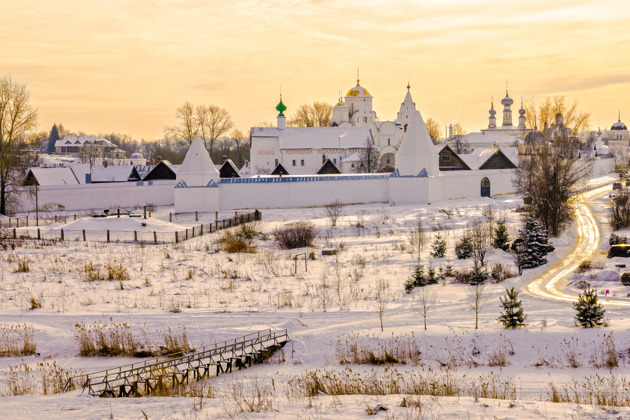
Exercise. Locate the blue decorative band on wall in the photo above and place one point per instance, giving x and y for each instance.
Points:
(316, 178)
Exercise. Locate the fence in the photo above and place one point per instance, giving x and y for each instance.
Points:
(155, 237)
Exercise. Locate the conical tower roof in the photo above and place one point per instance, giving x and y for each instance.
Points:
(197, 168)
(417, 151)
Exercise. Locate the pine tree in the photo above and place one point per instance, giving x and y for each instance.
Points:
(512, 317)
(463, 248)
(534, 246)
(501, 238)
(52, 139)
(439, 247)
(590, 313)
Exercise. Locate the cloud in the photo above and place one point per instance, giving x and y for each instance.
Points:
(570, 84)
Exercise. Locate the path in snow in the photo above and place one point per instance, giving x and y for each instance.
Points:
(587, 244)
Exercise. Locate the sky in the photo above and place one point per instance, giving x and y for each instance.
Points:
(125, 65)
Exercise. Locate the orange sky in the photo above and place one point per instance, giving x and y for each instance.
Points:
(126, 65)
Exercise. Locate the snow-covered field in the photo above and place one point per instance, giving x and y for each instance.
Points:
(329, 307)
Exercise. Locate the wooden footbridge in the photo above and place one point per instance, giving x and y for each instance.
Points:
(165, 375)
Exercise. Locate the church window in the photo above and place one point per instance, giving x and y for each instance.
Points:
(357, 119)
(335, 161)
(276, 162)
(388, 143)
(302, 162)
(364, 119)
(293, 162)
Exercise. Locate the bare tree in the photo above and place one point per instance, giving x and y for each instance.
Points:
(334, 210)
(187, 127)
(317, 115)
(433, 127)
(382, 299)
(427, 298)
(550, 175)
(239, 138)
(368, 158)
(543, 113)
(480, 235)
(17, 118)
(478, 298)
(418, 237)
(214, 122)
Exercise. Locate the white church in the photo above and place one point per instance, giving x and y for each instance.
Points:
(303, 150)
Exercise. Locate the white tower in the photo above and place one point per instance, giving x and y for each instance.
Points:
(417, 152)
(197, 186)
(492, 119)
(341, 113)
(407, 108)
(521, 116)
(507, 110)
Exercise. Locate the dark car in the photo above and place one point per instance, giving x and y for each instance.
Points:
(617, 186)
(625, 279)
(619, 250)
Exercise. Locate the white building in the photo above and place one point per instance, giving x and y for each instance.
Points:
(618, 142)
(302, 150)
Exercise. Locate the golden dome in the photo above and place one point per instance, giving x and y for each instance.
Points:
(358, 90)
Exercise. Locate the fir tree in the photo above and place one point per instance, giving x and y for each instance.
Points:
(463, 248)
(417, 279)
(590, 313)
(534, 246)
(512, 317)
(501, 238)
(439, 247)
(431, 277)
(477, 275)
(52, 139)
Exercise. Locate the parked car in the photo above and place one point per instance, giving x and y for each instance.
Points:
(617, 186)
(619, 250)
(625, 279)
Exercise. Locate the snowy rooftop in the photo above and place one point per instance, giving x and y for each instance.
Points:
(54, 176)
(485, 137)
(111, 173)
(322, 137)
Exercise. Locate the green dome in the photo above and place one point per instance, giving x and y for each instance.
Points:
(281, 108)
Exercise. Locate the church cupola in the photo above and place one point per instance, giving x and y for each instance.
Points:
(492, 119)
(341, 113)
(507, 110)
(521, 116)
(407, 108)
(282, 120)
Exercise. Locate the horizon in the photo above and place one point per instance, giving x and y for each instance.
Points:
(125, 67)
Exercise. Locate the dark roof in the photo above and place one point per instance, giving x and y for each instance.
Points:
(450, 161)
(498, 160)
(162, 170)
(328, 168)
(280, 170)
(228, 170)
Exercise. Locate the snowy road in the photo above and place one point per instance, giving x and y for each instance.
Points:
(587, 243)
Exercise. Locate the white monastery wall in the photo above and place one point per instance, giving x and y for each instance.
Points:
(464, 184)
(309, 191)
(102, 195)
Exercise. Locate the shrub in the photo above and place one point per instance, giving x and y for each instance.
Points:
(92, 272)
(295, 235)
(23, 266)
(233, 241)
(35, 303)
(584, 266)
(116, 272)
(616, 239)
(619, 212)
(501, 272)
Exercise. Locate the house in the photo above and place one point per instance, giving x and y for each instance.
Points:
(228, 170)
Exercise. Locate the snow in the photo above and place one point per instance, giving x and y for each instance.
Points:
(232, 294)
(322, 137)
(111, 173)
(54, 176)
(122, 223)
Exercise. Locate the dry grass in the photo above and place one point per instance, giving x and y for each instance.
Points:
(16, 340)
(353, 349)
(117, 339)
(296, 235)
(601, 391)
(237, 240)
(392, 381)
(45, 378)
